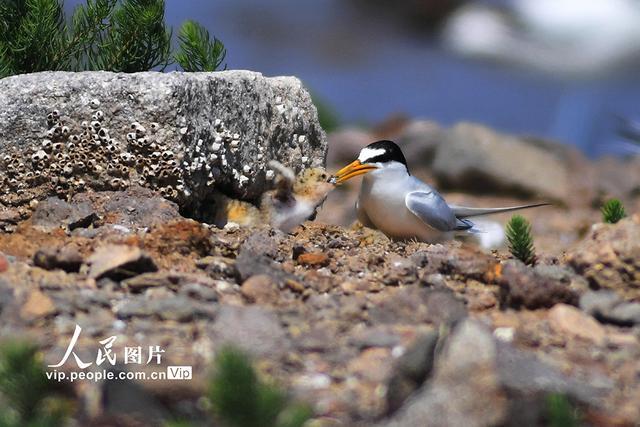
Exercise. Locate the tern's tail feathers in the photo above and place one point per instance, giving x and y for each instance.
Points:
(466, 212)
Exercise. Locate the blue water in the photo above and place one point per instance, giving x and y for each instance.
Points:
(368, 69)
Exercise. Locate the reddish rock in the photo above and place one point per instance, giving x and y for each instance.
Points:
(314, 259)
(4, 263)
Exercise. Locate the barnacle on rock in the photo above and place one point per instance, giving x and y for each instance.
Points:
(72, 157)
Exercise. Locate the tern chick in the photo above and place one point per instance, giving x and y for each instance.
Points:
(400, 205)
(292, 201)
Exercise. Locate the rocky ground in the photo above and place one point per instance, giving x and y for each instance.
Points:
(367, 330)
(344, 318)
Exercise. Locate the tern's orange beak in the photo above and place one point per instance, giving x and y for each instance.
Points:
(354, 168)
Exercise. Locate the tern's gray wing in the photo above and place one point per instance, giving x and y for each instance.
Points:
(431, 208)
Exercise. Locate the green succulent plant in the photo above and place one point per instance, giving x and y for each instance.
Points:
(613, 211)
(520, 239)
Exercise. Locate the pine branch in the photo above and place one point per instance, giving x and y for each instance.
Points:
(560, 411)
(613, 211)
(24, 387)
(89, 24)
(520, 240)
(35, 33)
(113, 35)
(197, 51)
(241, 399)
(138, 39)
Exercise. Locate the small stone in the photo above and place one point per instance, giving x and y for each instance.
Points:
(260, 289)
(484, 301)
(373, 364)
(217, 266)
(317, 340)
(54, 213)
(625, 314)
(607, 257)
(313, 259)
(176, 308)
(199, 292)
(119, 262)
(253, 329)
(375, 337)
(569, 320)
(66, 258)
(147, 280)
(316, 381)
(504, 334)
(411, 369)
(294, 285)
(37, 305)
(597, 303)
(608, 307)
(465, 261)
(522, 287)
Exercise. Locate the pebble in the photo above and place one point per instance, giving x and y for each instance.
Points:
(313, 259)
(373, 364)
(607, 306)
(119, 262)
(66, 258)
(522, 287)
(37, 305)
(569, 320)
(504, 334)
(315, 381)
(199, 292)
(375, 337)
(260, 289)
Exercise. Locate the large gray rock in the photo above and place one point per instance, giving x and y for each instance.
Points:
(465, 388)
(474, 157)
(184, 134)
(609, 257)
(477, 381)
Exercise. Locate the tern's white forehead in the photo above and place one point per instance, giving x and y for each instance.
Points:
(369, 153)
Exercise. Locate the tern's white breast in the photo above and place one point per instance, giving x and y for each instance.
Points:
(382, 196)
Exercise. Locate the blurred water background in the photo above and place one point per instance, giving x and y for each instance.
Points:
(567, 70)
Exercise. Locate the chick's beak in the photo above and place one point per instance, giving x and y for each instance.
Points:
(354, 168)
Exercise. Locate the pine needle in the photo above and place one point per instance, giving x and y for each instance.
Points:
(197, 51)
(111, 35)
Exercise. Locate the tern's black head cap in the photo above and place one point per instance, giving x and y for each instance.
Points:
(381, 152)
